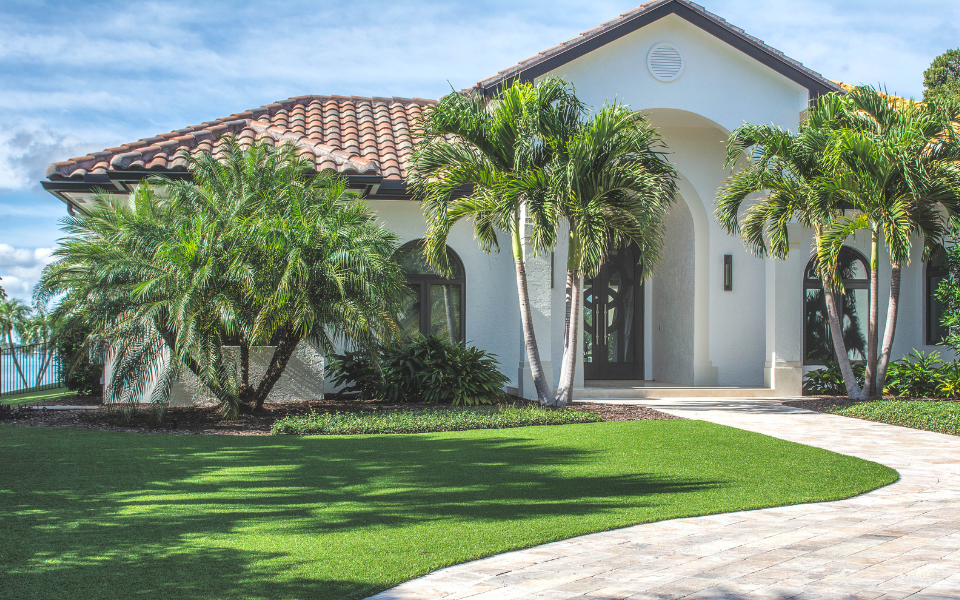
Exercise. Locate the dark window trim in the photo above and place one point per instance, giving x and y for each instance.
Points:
(816, 284)
(930, 272)
(424, 280)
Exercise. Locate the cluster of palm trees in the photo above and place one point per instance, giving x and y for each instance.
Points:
(253, 250)
(863, 163)
(533, 157)
(25, 326)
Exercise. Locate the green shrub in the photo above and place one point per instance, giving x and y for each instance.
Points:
(917, 375)
(931, 415)
(427, 369)
(828, 380)
(79, 373)
(429, 420)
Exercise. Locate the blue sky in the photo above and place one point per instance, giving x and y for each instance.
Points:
(77, 77)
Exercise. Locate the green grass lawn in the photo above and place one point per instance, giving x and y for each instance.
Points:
(34, 397)
(86, 514)
(931, 415)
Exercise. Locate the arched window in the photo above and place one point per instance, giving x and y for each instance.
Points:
(936, 272)
(855, 302)
(435, 303)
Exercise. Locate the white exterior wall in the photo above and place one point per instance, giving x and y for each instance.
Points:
(720, 89)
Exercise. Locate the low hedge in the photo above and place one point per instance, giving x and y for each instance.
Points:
(428, 420)
(931, 415)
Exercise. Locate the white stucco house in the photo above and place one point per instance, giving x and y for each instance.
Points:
(712, 316)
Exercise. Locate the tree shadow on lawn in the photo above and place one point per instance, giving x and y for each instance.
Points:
(102, 515)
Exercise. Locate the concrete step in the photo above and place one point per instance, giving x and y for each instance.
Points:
(653, 391)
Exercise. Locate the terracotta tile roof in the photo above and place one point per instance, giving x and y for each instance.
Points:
(347, 134)
(588, 40)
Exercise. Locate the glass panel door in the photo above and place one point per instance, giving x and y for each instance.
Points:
(613, 319)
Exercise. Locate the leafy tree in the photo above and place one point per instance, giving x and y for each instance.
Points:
(251, 251)
(609, 181)
(485, 160)
(941, 81)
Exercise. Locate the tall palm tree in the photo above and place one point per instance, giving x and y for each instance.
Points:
(794, 169)
(484, 160)
(14, 315)
(899, 173)
(610, 182)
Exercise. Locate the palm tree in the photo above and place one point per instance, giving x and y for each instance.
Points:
(14, 314)
(252, 251)
(40, 329)
(610, 182)
(793, 168)
(484, 160)
(899, 173)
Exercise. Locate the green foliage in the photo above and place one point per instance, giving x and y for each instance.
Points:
(941, 81)
(98, 515)
(917, 375)
(427, 369)
(253, 250)
(930, 415)
(423, 421)
(948, 293)
(80, 374)
(828, 380)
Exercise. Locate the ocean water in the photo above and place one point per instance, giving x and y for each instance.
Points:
(10, 380)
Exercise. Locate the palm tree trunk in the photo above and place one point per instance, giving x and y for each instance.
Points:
(836, 333)
(281, 356)
(870, 379)
(891, 329)
(568, 366)
(246, 390)
(13, 355)
(544, 393)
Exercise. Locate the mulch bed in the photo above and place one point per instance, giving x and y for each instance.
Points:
(204, 420)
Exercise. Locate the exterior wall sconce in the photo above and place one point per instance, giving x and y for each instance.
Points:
(727, 272)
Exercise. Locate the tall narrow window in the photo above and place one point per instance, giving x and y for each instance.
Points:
(817, 340)
(936, 272)
(434, 304)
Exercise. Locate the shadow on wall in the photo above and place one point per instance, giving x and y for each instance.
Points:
(301, 380)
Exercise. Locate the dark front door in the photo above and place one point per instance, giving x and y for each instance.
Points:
(613, 319)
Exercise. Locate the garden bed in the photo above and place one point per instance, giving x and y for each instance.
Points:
(202, 420)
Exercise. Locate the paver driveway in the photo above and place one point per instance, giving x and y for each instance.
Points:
(901, 541)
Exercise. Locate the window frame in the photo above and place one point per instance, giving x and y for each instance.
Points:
(931, 270)
(425, 280)
(816, 284)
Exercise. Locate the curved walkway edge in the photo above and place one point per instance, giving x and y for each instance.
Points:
(900, 541)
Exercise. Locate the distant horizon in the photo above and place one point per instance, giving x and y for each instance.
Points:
(109, 74)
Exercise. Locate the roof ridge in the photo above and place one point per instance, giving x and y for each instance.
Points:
(628, 16)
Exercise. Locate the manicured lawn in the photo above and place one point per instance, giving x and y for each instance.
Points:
(86, 514)
(33, 397)
(931, 415)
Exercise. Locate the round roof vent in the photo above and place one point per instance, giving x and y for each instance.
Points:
(665, 62)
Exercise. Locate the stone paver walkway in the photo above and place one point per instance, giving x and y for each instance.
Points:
(901, 541)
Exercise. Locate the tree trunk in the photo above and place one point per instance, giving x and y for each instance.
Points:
(836, 333)
(246, 390)
(281, 356)
(13, 355)
(893, 306)
(568, 367)
(870, 379)
(544, 393)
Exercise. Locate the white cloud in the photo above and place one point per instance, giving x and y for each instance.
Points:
(25, 152)
(20, 269)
